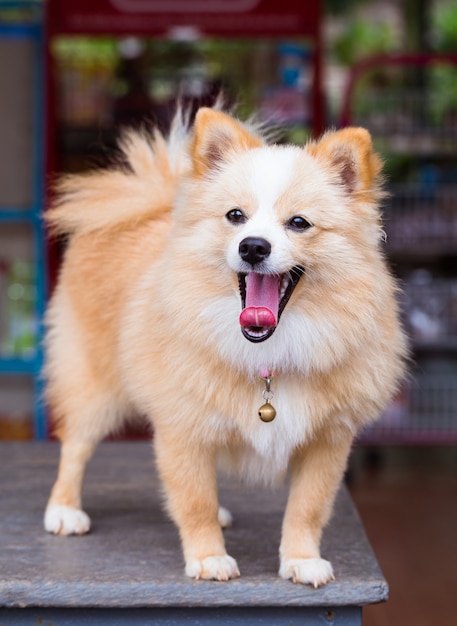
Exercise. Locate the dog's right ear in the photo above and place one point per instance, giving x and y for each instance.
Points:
(216, 136)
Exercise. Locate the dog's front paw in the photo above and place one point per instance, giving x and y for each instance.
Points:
(65, 520)
(314, 572)
(213, 568)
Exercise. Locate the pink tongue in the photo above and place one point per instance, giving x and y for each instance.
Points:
(262, 300)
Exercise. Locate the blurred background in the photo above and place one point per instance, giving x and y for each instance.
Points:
(73, 71)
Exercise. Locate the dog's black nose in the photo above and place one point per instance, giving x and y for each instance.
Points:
(254, 250)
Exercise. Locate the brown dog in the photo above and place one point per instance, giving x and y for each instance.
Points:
(218, 269)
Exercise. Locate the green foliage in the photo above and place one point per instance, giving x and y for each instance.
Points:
(362, 38)
(445, 27)
(85, 50)
(443, 87)
(443, 79)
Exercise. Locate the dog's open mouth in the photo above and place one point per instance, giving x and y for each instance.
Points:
(263, 298)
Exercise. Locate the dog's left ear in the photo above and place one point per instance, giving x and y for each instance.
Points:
(216, 136)
(350, 154)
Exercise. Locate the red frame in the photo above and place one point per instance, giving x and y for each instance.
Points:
(255, 18)
(369, 63)
(212, 17)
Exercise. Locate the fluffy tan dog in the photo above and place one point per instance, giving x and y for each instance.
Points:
(218, 269)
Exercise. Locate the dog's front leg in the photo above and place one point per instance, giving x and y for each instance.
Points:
(316, 473)
(189, 475)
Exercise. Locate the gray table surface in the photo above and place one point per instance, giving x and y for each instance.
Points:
(132, 556)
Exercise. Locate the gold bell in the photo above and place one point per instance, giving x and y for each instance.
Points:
(267, 412)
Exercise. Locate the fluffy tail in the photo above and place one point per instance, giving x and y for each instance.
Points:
(142, 189)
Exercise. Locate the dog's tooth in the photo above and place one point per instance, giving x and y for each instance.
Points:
(283, 286)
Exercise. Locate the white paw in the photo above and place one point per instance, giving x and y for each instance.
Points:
(225, 517)
(65, 520)
(213, 568)
(314, 572)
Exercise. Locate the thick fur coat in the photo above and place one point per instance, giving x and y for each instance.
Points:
(203, 263)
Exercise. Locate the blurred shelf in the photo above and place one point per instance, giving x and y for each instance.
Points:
(22, 189)
(17, 365)
(445, 344)
(19, 215)
(413, 122)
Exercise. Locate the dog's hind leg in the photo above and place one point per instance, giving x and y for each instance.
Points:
(64, 515)
(224, 517)
(80, 433)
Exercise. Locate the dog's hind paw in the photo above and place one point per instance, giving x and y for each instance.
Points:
(213, 568)
(65, 520)
(314, 572)
(224, 517)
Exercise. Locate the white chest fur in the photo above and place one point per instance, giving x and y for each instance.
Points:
(263, 450)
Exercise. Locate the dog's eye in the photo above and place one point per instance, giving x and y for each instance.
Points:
(236, 216)
(298, 223)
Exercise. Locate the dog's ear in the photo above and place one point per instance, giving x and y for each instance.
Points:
(350, 154)
(216, 136)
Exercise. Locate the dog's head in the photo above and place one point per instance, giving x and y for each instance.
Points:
(288, 220)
